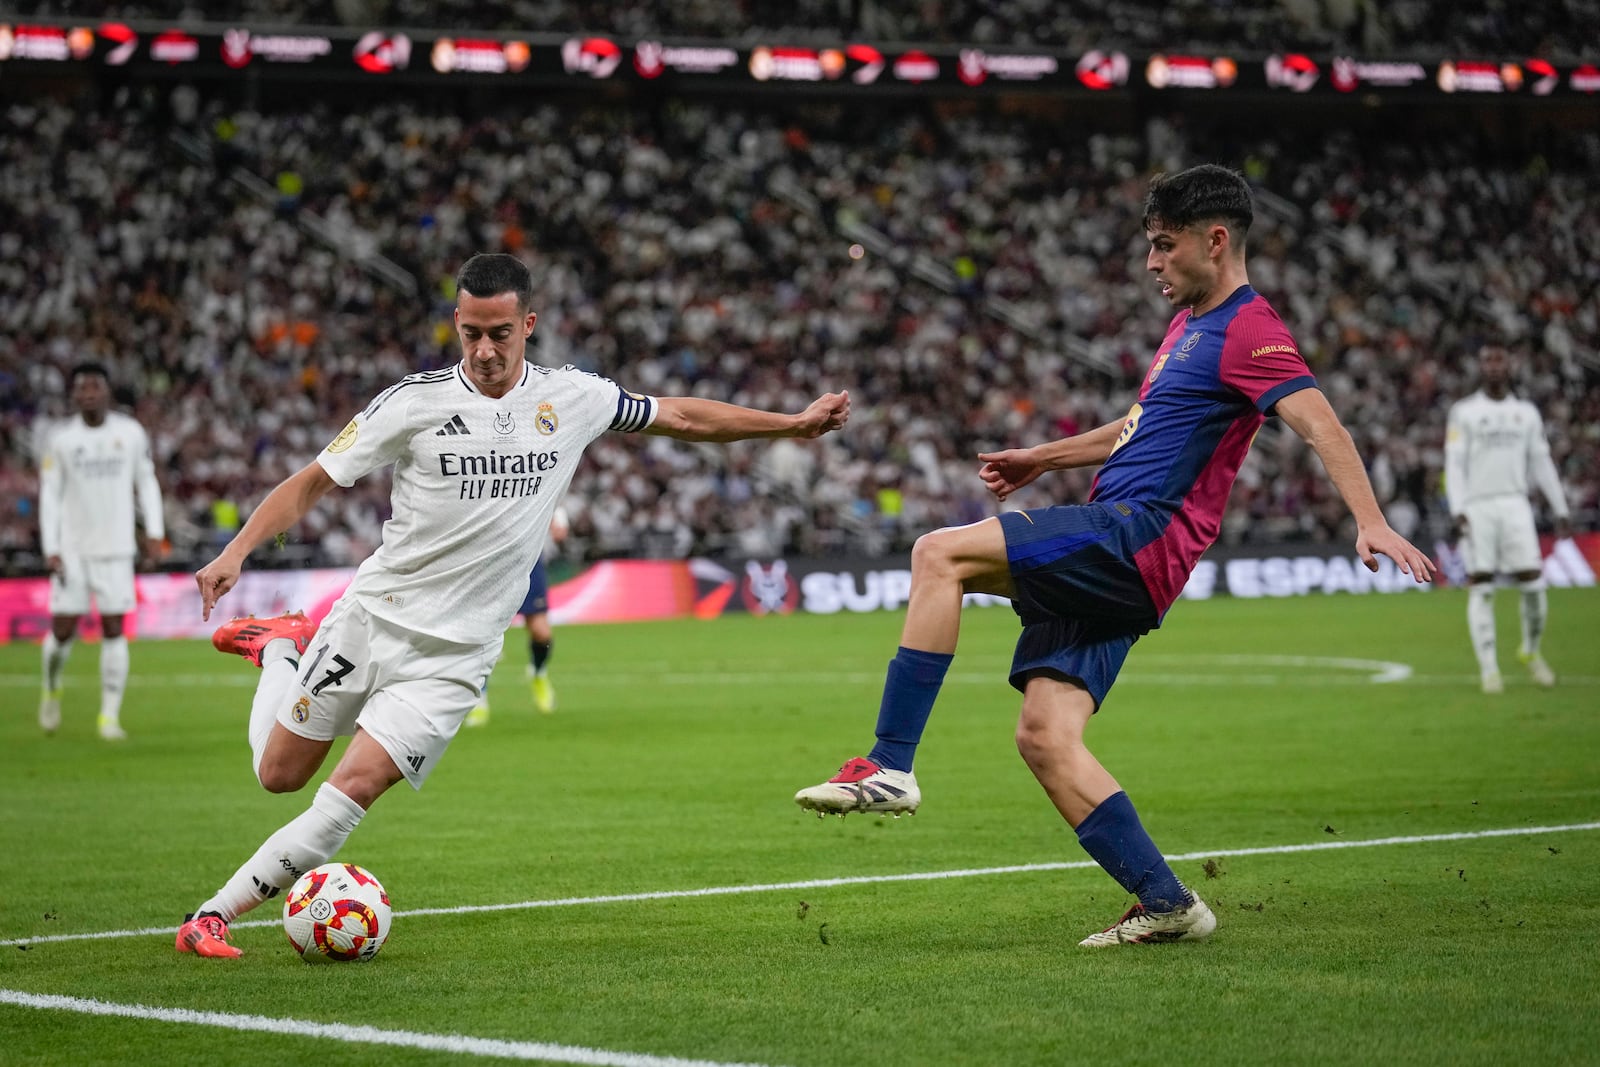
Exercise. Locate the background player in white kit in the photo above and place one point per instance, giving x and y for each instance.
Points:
(1495, 443)
(92, 468)
(482, 453)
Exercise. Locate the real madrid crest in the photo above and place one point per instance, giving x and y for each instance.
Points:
(302, 709)
(545, 420)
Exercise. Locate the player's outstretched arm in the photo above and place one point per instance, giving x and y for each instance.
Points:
(1308, 414)
(286, 505)
(692, 419)
(1004, 472)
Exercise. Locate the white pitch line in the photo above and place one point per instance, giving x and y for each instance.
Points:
(866, 879)
(459, 1044)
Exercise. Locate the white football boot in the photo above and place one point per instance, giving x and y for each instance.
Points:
(1537, 668)
(1141, 927)
(862, 785)
(50, 710)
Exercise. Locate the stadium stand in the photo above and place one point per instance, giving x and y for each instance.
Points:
(253, 275)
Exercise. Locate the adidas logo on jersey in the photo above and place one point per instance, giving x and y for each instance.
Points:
(453, 428)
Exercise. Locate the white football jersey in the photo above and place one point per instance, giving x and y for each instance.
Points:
(88, 480)
(477, 480)
(1492, 448)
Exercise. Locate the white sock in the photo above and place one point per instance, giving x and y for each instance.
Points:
(53, 658)
(306, 842)
(1480, 623)
(1535, 605)
(113, 677)
(277, 678)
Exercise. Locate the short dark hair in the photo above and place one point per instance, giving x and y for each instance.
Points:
(493, 273)
(89, 368)
(1199, 194)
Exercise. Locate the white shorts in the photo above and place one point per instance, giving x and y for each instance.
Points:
(108, 579)
(1501, 537)
(409, 691)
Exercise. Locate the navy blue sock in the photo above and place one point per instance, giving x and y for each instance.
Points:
(908, 695)
(1114, 837)
(539, 653)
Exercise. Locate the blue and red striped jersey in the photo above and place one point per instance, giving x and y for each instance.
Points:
(1211, 385)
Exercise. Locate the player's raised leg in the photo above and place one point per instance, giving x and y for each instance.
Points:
(275, 645)
(945, 565)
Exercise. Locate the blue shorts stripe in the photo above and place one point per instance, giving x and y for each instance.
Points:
(1081, 598)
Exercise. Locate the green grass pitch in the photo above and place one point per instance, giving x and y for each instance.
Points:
(671, 765)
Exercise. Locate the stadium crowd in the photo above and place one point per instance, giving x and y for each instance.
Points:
(976, 280)
(1553, 29)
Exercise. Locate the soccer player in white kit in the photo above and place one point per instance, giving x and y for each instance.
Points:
(482, 452)
(1494, 444)
(94, 468)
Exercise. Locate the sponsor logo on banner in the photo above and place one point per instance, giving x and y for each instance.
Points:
(869, 60)
(471, 55)
(1103, 70)
(240, 46)
(1543, 77)
(916, 67)
(42, 43)
(1478, 77)
(1295, 72)
(174, 47)
(1348, 75)
(1190, 72)
(830, 592)
(124, 43)
(382, 53)
(1585, 79)
(768, 590)
(598, 57)
(785, 64)
(80, 42)
(974, 66)
(651, 59)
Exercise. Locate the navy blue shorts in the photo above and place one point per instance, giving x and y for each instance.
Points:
(1080, 596)
(537, 601)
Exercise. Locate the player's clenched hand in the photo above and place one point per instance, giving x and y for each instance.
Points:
(1407, 556)
(1003, 473)
(215, 579)
(827, 413)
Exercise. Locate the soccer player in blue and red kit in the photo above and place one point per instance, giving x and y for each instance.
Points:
(1088, 580)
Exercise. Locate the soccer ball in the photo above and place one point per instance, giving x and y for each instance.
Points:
(338, 913)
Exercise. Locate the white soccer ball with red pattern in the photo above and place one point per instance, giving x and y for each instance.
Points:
(337, 913)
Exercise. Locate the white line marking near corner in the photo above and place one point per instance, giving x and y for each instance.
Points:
(867, 879)
(458, 1044)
